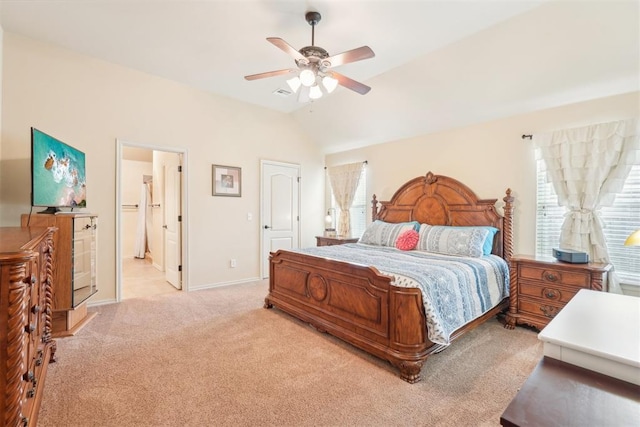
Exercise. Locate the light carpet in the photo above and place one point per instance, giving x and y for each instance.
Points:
(217, 358)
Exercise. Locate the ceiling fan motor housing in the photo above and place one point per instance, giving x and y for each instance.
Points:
(313, 17)
(314, 55)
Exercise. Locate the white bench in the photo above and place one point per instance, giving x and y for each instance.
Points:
(598, 331)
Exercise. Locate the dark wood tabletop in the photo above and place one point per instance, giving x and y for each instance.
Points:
(560, 394)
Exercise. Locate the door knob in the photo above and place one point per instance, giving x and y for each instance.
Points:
(266, 227)
(165, 226)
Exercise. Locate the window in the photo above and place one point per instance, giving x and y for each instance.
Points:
(619, 220)
(358, 209)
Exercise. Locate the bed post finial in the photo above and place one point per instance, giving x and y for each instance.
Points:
(430, 178)
(374, 208)
(508, 226)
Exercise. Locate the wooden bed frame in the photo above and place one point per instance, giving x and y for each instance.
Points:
(358, 304)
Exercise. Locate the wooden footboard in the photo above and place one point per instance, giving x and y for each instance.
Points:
(355, 303)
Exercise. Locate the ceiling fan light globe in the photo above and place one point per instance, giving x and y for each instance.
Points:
(315, 92)
(307, 77)
(294, 84)
(329, 83)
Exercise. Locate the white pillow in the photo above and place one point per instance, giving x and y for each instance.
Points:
(382, 233)
(449, 240)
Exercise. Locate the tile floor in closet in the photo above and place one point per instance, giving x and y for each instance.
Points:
(141, 279)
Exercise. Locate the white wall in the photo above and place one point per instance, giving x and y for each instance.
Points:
(88, 103)
(488, 157)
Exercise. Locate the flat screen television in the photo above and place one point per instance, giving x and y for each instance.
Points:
(58, 178)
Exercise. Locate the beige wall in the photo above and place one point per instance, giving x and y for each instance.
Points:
(89, 103)
(488, 157)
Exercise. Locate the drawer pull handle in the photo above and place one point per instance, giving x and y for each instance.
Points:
(29, 376)
(550, 277)
(32, 280)
(549, 311)
(553, 294)
(30, 328)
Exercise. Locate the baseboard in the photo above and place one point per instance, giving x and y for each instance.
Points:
(221, 284)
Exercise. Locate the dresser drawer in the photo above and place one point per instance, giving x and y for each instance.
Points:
(543, 310)
(581, 279)
(547, 292)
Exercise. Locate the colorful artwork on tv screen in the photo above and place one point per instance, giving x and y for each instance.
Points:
(58, 172)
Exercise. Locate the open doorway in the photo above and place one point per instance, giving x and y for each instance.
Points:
(150, 231)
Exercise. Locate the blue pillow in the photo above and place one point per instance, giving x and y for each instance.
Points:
(488, 242)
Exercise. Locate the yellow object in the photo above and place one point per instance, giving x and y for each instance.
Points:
(633, 239)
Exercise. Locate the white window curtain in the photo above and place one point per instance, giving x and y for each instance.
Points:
(344, 181)
(587, 167)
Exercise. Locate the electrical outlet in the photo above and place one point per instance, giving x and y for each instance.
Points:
(233, 263)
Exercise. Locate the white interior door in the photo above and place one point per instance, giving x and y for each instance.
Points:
(172, 226)
(280, 222)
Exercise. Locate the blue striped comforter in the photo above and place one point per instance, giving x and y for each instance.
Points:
(455, 290)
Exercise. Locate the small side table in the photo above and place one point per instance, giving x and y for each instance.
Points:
(330, 241)
(540, 287)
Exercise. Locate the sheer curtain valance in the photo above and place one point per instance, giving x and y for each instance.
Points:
(588, 167)
(344, 181)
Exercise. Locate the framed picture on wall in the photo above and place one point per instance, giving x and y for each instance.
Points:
(227, 181)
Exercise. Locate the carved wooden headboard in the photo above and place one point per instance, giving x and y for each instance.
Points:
(440, 200)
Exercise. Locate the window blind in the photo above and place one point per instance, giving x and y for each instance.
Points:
(619, 221)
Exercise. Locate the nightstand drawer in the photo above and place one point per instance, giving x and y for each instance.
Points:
(545, 311)
(555, 275)
(547, 292)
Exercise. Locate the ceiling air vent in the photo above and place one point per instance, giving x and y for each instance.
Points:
(282, 92)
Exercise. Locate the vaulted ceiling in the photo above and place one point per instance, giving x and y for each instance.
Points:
(438, 64)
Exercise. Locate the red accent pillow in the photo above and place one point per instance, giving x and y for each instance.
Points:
(407, 240)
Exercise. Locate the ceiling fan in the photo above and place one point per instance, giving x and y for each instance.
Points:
(315, 66)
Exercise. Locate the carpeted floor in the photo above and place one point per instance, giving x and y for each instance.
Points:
(217, 358)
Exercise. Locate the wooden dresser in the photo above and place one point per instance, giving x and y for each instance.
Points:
(541, 287)
(26, 346)
(74, 267)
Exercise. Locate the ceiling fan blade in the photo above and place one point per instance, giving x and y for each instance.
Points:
(345, 81)
(286, 47)
(352, 55)
(268, 74)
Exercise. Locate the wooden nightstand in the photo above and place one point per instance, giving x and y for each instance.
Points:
(541, 287)
(330, 241)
